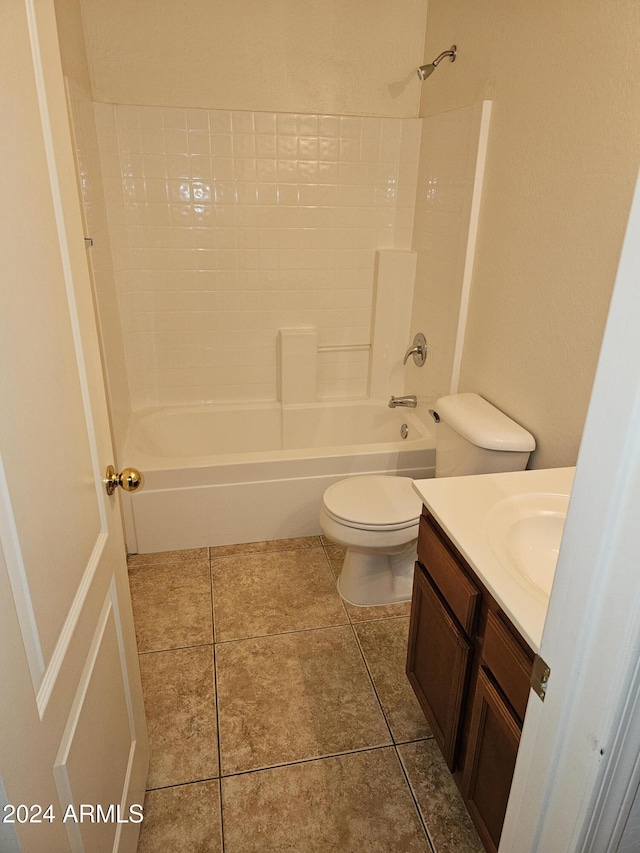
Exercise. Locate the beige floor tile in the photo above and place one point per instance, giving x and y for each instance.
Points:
(335, 553)
(350, 803)
(384, 645)
(294, 696)
(182, 820)
(186, 556)
(179, 699)
(266, 547)
(258, 594)
(444, 813)
(171, 605)
(380, 611)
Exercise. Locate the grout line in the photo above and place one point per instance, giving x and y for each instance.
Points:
(157, 564)
(414, 798)
(222, 839)
(185, 784)
(335, 580)
(326, 545)
(414, 740)
(283, 633)
(174, 648)
(355, 751)
(210, 556)
(395, 745)
(377, 618)
(215, 688)
(373, 684)
(213, 610)
(262, 552)
(307, 760)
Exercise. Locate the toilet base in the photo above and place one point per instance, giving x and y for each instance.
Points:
(369, 579)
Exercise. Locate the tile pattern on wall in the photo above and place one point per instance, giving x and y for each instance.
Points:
(305, 733)
(227, 226)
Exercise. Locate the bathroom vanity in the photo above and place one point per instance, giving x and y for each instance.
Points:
(477, 615)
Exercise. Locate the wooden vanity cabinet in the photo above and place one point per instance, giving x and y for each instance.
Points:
(439, 664)
(443, 613)
(490, 760)
(470, 671)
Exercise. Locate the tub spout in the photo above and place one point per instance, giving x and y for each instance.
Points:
(409, 402)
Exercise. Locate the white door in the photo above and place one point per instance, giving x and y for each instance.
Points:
(72, 730)
(578, 767)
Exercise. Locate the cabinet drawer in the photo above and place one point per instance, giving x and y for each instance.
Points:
(462, 596)
(508, 664)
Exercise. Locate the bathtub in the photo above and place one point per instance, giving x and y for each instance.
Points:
(222, 474)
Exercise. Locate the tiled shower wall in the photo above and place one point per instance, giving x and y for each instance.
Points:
(228, 226)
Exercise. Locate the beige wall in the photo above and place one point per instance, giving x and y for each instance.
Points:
(75, 68)
(92, 196)
(72, 46)
(562, 161)
(450, 170)
(353, 58)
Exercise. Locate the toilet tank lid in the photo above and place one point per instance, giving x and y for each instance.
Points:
(482, 424)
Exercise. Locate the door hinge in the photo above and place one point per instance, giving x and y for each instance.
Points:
(88, 242)
(540, 677)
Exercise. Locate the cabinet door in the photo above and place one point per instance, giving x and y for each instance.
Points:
(438, 663)
(490, 761)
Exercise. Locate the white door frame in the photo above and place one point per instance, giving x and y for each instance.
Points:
(578, 770)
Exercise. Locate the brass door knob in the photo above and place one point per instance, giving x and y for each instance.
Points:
(130, 479)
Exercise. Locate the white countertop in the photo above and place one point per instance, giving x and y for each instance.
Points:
(461, 506)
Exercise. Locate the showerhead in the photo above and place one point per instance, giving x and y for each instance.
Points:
(427, 70)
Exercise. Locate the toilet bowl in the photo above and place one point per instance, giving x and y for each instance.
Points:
(376, 519)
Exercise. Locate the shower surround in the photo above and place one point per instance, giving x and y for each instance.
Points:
(222, 238)
(228, 226)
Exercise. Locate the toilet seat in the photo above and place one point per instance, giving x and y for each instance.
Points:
(378, 502)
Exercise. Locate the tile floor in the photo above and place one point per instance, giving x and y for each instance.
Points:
(279, 718)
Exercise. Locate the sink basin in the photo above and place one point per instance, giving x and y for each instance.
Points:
(525, 532)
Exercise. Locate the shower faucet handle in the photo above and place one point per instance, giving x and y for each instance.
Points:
(418, 350)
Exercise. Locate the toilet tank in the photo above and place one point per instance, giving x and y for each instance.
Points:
(473, 437)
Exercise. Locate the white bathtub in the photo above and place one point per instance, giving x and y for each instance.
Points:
(218, 475)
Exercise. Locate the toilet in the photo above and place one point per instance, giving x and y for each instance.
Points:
(376, 517)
